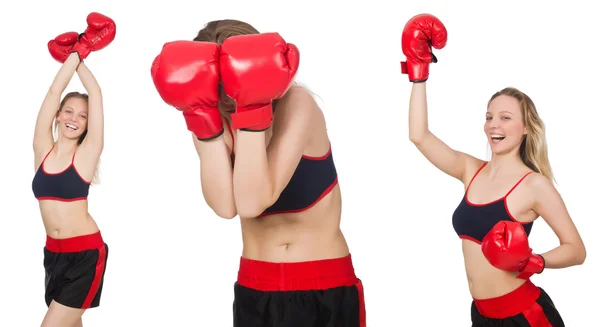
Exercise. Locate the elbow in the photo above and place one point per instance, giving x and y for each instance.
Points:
(253, 204)
(225, 211)
(222, 208)
(416, 140)
(417, 137)
(226, 214)
(581, 255)
(252, 208)
(249, 211)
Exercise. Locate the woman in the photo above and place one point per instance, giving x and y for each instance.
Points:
(503, 197)
(75, 254)
(265, 156)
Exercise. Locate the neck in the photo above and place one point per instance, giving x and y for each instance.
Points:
(65, 146)
(504, 160)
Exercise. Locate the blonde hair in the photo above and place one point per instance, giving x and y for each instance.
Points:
(83, 96)
(534, 148)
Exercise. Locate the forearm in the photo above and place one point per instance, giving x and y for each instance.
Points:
(95, 106)
(417, 113)
(563, 256)
(65, 73)
(216, 176)
(252, 183)
(88, 80)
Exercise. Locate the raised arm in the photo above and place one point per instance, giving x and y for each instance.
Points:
(261, 174)
(442, 156)
(42, 138)
(186, 76)
(216, 175)
(93, 143)
(270, 65)
(419, 35)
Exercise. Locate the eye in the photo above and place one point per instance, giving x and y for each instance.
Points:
(488, 118)
(505, 117)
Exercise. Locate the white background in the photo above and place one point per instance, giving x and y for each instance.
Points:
(173, 262)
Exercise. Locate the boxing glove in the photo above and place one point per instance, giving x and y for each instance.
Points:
(255, 70)
(61, 46)
(186, 76)
(506, 247)
(100, 33)
(419, 35)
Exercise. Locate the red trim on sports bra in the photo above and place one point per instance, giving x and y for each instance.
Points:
(327, 191)
(321, 157)
(62, 171)
(499, 199)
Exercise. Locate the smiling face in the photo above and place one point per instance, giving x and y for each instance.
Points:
(72, 118)
(504, 126)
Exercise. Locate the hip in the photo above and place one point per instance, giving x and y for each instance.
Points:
(493, 285)
(526, 306)
(310, 293)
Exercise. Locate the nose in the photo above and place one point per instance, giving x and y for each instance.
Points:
(494, 123)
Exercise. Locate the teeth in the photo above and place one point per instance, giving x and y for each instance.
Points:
(73, 127)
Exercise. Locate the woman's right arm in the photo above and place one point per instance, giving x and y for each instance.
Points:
(42, 137)
(448, 160)
(216, 176)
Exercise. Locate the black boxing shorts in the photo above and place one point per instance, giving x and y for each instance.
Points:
(527, 306)
(299, 294)
(75, 270)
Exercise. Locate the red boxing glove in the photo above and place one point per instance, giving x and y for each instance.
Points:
(61, 47)
(419, 35)
(506, 247)
(255, 70)
(100, 33)
(186, 76)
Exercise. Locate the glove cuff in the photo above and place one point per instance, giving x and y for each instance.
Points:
(417, 72)
(81, 50)
(535, 265)
(205, 123)
(256, 118)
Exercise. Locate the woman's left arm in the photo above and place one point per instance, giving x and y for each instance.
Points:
(94, 140)
(550, 206)
(261, 174)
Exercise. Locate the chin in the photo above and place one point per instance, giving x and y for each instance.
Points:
(500, 149)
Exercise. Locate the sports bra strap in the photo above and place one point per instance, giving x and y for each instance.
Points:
(475, 175)
(47, 154)
(517, 184)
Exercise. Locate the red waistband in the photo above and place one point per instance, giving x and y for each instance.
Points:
(510, 304)
(296, 276)
(75, 244)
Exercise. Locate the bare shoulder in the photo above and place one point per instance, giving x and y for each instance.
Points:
(298, 101)
(539, 184)
(40, 152)
(298, 118)
(472, 165)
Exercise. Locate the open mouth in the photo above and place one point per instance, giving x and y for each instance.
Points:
(72, 127)
(497, 138)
